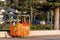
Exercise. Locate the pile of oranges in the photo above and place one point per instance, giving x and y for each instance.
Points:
(19, 29)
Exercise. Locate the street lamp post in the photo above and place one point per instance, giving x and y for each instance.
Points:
(51, 16)
(31, 10)
(48, 17)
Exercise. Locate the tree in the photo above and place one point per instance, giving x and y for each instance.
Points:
(56, 6)
(53, 5)
(26, 5)
(56, 24)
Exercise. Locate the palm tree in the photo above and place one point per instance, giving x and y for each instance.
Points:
(56, 7)
(26, 5)
(56, 24)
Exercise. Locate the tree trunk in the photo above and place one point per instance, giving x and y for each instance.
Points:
(56, 21)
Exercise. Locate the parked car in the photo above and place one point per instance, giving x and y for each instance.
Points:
(36, 22)
(39, 22)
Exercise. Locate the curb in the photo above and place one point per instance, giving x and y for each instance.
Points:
(35, 33)
(44, 32)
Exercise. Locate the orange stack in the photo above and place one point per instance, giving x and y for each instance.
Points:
(11, 33)
(20, 29)
(25, 29)
(12, 30)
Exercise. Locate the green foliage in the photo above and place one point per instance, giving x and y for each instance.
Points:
(41, 27)
(1, 4)
(57, 4)
(25, 5)
(41, 17)
(4, 26)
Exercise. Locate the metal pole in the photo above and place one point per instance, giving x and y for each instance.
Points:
(51, 16)
(48, 17)
(31, 10)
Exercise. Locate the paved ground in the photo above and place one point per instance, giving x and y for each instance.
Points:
(34, 38)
